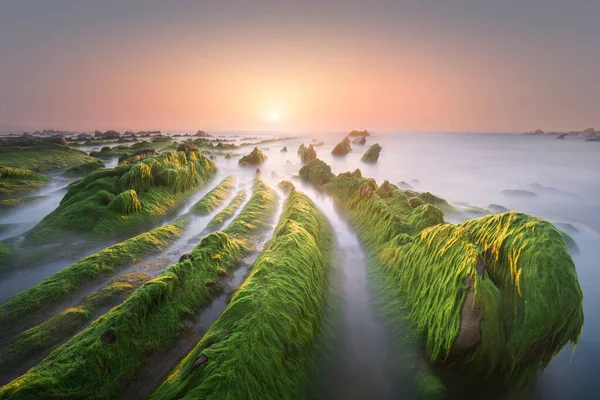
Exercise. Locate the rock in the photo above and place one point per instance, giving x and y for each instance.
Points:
(185, 147)
(307, 154)
(537, 132)
(342, 148)
(372, 154)
(108, 337)
(355, 133)
(497, 209)
(518, 193)
(286, 186)
(589, 133)
(256, 157)
(186, 256)
(202, 134)
(404, 185)
(562, 136)
(360, 140)
(284, 149)
(316, 172)
(202, 359)
(110, 134)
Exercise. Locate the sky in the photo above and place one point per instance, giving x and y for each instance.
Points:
(388, 66)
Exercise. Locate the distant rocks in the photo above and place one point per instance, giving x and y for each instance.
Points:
(590, 134)
(342, 148)
(29, 140)
(202, 134)
(360, 140)
(110, 134)
(497, 209)
(284, 149)
(355, 133)
(404, 185)
(372, 154)
(518, 193)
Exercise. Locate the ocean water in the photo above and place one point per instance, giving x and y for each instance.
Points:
(555, 179)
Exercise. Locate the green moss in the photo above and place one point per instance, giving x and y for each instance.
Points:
(415, 202)
(316, 172)
(256, 157)
(42, 158)
(95, 267)
(342, 148)
(372, 154)
(84, 168)
(264, 341)
(98, 361)
(226, 213)
(425, 270)
(58, 328)
(19, 180)
(216, 197)
(104, 203)
(10, 203)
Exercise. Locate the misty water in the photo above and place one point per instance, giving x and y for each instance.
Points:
(556, 179)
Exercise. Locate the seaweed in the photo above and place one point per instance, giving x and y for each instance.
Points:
(84, 168)
(98, 361)
(14, 181)
(118, 200)
(372, 154)
(216, 197)
(256, 157)
(263, 343)
(42, 158)
(227, 212)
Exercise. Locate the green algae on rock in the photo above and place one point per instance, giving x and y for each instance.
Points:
(119, 200)
(465, 287)
(222, 216)
(256, 157)
(316, 172)
(307, 154)
(216, 197)
(263, 343)
(286, 186)
(342, 148)
(70, 280)
(372, 154)
(14, 181)
(84, 168)
(98, 361)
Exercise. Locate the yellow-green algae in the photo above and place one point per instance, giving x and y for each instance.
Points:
(262, 346)
(59, 327)
(97, 362)
(14, 181)
(216, 197)
(84, 168)
(527, 289)
(95, 267)
(255, 157)
(42, 158)
(119, 200)
(218, 220)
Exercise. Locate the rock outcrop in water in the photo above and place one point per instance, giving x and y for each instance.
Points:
(342, 148)
(110, 134)
(256, 157)
(355, 133)
(316, 172)
(497, 297)
(360, 140)
(372, 154)
(307, 154)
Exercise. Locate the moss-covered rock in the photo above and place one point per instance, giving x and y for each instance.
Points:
(216, 197)
(372, 154)
(103, 203)
(284, 149)
(42, 158)
(264, 341)
(342, 148)
(307, 154)
(316, 172)
(15, 181)
(286, 186)
(496, 297)
(84, 168)
(256, 157)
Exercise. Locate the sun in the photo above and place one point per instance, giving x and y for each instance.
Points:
(274, 116)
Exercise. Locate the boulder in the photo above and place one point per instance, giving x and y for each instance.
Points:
(342, 148)
(360, 140)
(372, 154)
(256, 157)
(355, 133)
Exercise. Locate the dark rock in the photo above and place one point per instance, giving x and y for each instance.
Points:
(202, 359)
(108, 337)
(372, 154)
(186, 256)
(360, 140)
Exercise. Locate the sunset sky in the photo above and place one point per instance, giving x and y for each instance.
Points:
(471, 65)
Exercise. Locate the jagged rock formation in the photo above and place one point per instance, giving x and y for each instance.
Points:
(256, 157)
(372, 154)
(342, 148)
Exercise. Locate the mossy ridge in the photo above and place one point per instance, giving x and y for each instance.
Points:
(17, 201)
(14, 181)
(263, 343)
(437, 260)
(61, 326)
(85, 168)
(216, 197)
(255, 157)
(97, 266)
(95, 204)
(218, 220)
(42, 158)
(540, 309)
(149, 320)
